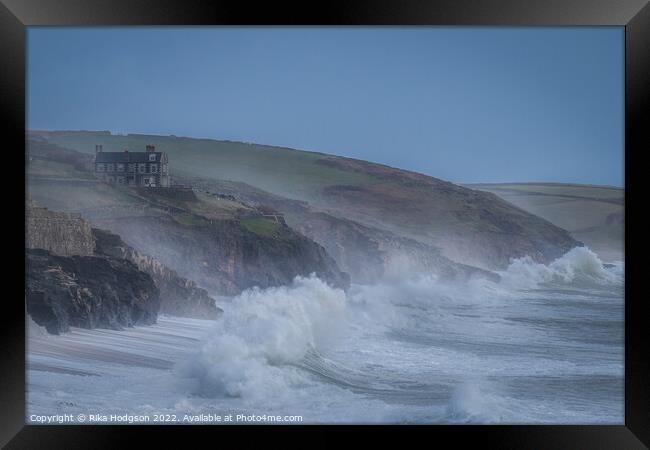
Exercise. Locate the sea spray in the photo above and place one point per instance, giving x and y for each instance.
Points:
(471, 402)
(410, 347)
(419, 351)
(263, 330)
(579, 265)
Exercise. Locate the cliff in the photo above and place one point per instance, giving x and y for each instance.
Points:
(57, 232)
(468, 226)
(178, 296)
(228, 256)
(368, 254)
(87, 292)
(62, 235)
(69, 284)
(215, 241)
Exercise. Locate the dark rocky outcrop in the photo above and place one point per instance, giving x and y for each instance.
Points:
(178, 296)
(87, 292)
(66, 235)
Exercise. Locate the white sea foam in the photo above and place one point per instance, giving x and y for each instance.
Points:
(262, 330)
(471, 402)
(579, 265)
(411, 349)
(34, 329)
(256, 348)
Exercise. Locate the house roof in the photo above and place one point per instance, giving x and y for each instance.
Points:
(126, 157)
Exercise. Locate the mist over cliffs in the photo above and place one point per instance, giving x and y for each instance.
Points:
(467, 226)
(87, 277)
(258, 216)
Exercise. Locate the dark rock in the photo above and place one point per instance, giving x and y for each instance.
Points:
(87, 292)
(178, 296)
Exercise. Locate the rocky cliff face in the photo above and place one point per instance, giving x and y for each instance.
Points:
(178, 296)
(64, 235)
(225, 256)
(87, 292)
(370, 254)
(57, 232)
(366, 253)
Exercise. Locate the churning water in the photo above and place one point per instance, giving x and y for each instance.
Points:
(543, 345)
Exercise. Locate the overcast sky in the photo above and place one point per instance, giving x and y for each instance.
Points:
(466, 104)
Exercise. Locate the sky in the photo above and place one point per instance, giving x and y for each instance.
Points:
(465, 104)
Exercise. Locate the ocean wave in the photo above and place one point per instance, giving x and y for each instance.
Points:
(263, 331)
(269, 340)
(578, 266)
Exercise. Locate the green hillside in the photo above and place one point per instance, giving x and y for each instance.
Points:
(60, 186)
(288, 172)
(55, 169)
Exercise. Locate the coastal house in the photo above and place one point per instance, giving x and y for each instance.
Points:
(149, 168)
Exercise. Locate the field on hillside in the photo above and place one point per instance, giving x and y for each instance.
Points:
(592, 214)
(299, 175)
(54, 169)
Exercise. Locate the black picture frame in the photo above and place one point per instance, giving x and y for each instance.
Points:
(634, 15)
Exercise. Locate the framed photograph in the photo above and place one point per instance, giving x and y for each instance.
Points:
(411, 218)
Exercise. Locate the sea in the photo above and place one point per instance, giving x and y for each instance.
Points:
(544, 345)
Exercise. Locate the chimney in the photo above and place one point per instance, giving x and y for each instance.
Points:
(98, 148)
(151, 148)
(126, 150)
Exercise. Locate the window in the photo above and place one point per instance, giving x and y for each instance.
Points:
(120, 167)
(142, 168)
(153, 168)
(101, 167)
(146, 181)
(110, 167)
(131, 167)
(152, 157)
(120, 180)
(164, 169)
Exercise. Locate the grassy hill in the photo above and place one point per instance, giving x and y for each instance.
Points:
(468, 226)
(291, 173)
(63, 187)
(592, 214)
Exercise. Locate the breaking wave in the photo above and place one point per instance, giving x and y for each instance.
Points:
(261, 331)
(407, 340)
(580, 265)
